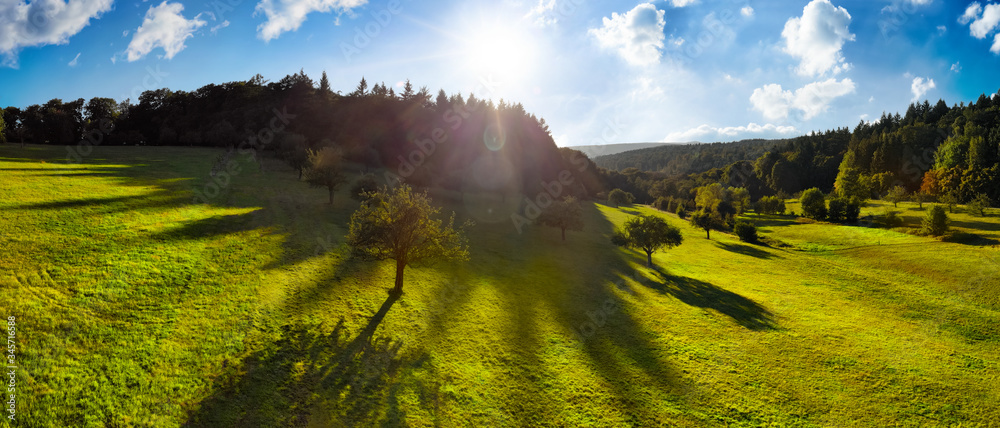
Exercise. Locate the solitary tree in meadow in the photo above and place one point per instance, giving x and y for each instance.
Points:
(398, 224)
(706, 220)
(363, 186)
(896, 195)
(949, 200)
(325, 170)
(648, 233)
(979, 204)
(564, 214)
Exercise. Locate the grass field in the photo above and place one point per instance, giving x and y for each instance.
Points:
(137, 306)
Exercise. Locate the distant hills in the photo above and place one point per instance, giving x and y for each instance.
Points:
(613, 149)
(681, 159)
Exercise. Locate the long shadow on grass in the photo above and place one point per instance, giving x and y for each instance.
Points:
(742, 310)
(578, 284)
(282, 384)
(745, 250)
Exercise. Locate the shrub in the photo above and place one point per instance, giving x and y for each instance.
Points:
(771, 205)
(979, 204)
(936, 221)
(662, 203)
(813, 204)
(890, 219)
(745, 230)
(681, 212)
(843, 210)
(620, 197)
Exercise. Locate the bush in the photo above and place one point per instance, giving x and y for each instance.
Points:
(843, 210)
(662, 203)
(620, 197)
(813, 204)
(936, 221)
(771, 205)
(745, 230)
(979, 204)
(890, 219)
(681, 212)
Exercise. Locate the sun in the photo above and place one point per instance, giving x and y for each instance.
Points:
(505, 53)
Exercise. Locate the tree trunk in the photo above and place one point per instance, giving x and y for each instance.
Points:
(300, 174)
(400, 265)
(564, 233)
(708, 234)
(331, 195)
(649, 259)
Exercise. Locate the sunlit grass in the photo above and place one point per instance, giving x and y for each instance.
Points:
(141, 308)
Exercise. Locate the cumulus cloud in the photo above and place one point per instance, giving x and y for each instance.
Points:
(712, 133)
(43, 22)
(817, 37)
(288, 15)
(746, 11)
(163, 27)
(637, 35)
(776, 103)
(982, 21)
(920, 87)
(682, 3)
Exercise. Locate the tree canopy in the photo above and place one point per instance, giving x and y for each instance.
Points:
(648, 233)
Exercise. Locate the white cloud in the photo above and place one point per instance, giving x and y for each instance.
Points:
(539, 13)
(43, 22)
(714, 133)
(216, 28)
(985, 24)
(996, 45)
(817, 37)
(747, 11)
(288, 15)
(971, 13)
(163, 27)
(776, 103)
(920, 87)
(920, 2)
(683, 3)
(75, 59)
(956, 67)
(942, 29)
(637, 35)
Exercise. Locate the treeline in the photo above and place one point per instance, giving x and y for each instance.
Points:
(935, 151)
(683, 159)
(432, 140)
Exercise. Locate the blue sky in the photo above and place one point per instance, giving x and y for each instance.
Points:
(597, 71)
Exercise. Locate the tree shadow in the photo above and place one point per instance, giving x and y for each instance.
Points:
(742, 310)
(976, 225)
(282, 384)
(746, 250)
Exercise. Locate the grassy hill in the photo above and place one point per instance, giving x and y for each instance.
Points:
(137, 307)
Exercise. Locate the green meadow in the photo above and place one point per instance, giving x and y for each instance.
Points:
(139, 305)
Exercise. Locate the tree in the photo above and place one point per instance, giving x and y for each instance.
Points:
(771, 205)
(949, 200)
(362, 89)
(681, 212)
(709, 197)
(294, 150)
(741, 200)
(564, 214)
(618, 197)
(705, 220)
(648, 233)
(746, 231)
(325, 169)
(936, 221)
(813, 204)
(324, 85)
(398, 224)
(896, 195)
(363, 186)
(3, 135)
(979, 204)
(920, 197)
